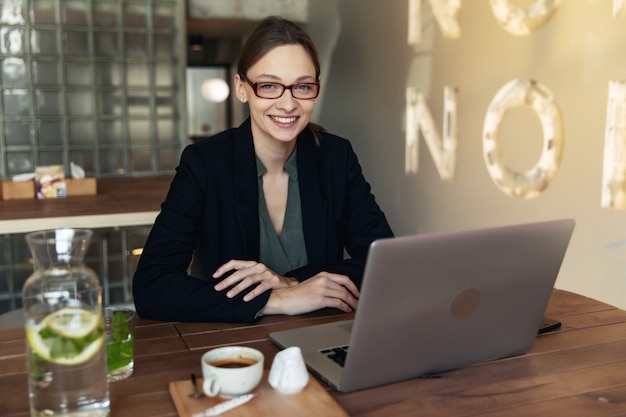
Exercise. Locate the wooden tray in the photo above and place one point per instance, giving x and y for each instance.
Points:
(312, 401)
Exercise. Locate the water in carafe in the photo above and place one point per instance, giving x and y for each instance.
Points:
(64, 328)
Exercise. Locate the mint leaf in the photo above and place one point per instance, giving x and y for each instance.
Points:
(63, 348)
(47, 333)
(119, 327)
(120, 343)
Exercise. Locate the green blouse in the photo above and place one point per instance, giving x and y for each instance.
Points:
(285, 252)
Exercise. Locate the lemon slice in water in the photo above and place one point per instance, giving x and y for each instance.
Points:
(69, 336)
(73, 323)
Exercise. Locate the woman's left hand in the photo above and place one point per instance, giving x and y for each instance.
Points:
(247, 274)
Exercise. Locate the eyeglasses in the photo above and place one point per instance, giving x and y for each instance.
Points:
(301, 91)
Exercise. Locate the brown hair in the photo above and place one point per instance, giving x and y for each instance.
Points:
(275, 31)
(272, 32)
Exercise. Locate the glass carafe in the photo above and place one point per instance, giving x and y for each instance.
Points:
(64, 328)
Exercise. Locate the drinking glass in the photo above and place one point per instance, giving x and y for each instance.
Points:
(120, 349)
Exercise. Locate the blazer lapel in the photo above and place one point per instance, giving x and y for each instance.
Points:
(246, 190)
(314, 210)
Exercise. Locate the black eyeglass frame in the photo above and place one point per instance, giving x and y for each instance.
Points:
(285, 87)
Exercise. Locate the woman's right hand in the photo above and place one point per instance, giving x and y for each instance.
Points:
(247, 274)
(324, 290)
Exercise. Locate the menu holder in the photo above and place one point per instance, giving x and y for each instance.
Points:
(50, 182)
(313, 401)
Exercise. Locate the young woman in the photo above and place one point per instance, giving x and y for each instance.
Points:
(258, 218)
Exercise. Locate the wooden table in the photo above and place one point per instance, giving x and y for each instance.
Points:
(119, 202)
(579, 370)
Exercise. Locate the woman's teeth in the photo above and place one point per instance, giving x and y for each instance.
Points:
(284, 119)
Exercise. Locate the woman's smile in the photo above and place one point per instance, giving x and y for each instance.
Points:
(284, 120)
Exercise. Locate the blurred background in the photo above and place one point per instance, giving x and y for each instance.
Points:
(121, 86)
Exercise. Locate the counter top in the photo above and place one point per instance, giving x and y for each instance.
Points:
(124, 201)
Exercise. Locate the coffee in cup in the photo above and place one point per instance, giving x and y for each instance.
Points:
(231, 370)
(234, 362)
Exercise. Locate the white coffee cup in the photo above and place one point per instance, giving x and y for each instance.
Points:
(231, 371)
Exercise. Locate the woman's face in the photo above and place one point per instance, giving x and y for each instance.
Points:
(280, 119)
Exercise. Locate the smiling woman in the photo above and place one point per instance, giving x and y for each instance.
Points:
(258, 218)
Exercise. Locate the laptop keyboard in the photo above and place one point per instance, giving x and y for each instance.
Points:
(336, 354)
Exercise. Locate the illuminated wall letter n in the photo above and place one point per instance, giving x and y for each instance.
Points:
(418, 118)
(445, 11)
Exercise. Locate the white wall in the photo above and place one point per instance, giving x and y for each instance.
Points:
(369, 65)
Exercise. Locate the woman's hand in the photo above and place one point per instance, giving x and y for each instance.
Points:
(247, 274)
(320, 291)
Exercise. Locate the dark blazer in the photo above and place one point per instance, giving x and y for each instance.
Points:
(210, 214)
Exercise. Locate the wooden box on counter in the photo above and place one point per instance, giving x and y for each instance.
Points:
(23, 190)
(20, 190)
(85, 186)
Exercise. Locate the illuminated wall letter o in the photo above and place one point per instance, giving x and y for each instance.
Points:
(522, 21)
(537, 97)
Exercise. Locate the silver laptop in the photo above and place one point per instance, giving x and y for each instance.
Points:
(435, 302)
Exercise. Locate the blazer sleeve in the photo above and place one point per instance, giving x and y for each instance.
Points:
(162, 287)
